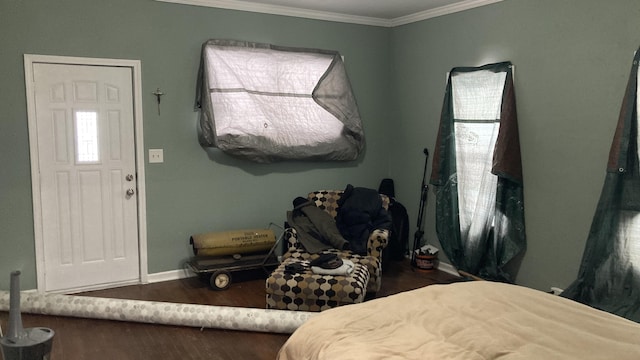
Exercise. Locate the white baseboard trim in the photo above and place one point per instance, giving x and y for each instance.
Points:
(184, 273)
(170, 275)
(151, 278)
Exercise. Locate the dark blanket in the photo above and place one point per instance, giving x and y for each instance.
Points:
(360, 212)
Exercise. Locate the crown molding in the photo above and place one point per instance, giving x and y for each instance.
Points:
(283, 10)
(440, 11)
(332, 16)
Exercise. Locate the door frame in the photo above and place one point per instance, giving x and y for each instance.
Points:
(135, 66)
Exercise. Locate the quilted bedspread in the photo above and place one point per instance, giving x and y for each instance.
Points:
(466, 321)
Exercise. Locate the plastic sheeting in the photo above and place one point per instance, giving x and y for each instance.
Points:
(609, 276)
(483, 235)
(165, 313)
(269, 103)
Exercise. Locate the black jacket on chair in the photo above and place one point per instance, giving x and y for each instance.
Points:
(360, 212)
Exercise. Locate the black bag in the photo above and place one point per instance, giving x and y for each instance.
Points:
(398, 246)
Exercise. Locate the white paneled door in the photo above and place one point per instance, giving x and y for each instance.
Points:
(87, 175)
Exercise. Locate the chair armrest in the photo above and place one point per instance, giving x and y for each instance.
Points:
(291, 237)
(378, 240)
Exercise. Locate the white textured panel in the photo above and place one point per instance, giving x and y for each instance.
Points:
(64, 218)
(85, 91)
(115, 140)
(278, 98)
(59, 118)
(92, 232)
(477, 95)
(118, 214)
(476, 184)
(112, 94)
(56, 93)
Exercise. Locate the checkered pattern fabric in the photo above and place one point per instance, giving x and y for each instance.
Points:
(308, 291)
(328, 201)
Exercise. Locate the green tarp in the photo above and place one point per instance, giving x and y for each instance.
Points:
(608, 278)
(486, 250)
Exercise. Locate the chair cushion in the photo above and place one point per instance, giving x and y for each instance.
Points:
(308, 291)
(372, 264)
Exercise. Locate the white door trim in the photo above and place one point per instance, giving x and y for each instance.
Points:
(135, 66)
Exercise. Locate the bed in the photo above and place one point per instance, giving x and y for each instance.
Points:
(466, 320)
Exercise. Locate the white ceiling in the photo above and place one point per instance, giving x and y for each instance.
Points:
(368, 12)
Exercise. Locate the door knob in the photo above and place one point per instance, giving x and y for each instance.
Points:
(129, 177)
(130, 192)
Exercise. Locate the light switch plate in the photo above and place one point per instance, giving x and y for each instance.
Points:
(156, 156)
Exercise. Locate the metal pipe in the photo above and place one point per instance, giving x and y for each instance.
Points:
(20, 343)
(15, 331)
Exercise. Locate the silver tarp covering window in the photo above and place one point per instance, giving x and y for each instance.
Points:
(269, 103)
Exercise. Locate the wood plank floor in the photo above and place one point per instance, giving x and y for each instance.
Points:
(77, 338)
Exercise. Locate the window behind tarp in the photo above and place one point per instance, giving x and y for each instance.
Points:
(269, 103)
(477, 172)
(609, 275)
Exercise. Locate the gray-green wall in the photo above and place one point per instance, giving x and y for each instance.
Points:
(572, 59)
(189, 193)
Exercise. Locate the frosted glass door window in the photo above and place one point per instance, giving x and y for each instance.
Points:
(86, 125)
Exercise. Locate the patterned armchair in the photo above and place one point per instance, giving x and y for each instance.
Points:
(328, 201)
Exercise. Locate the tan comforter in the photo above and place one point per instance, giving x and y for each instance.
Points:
(466, 321)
